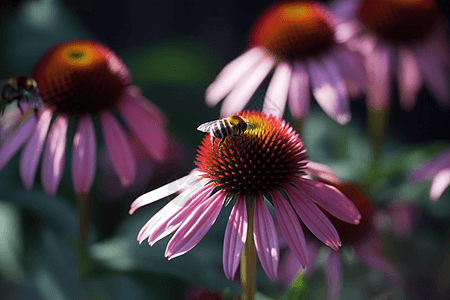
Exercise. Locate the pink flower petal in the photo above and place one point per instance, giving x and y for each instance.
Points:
(330, 199)
(299, 91)
(30, 155)
(84, 153)
(134, 94)
(379, 68)
(166, 225)
(54, 155)
(313, 218)
(333, 274)
(13, 143)
(329, 89)
(266, 240)
(164, 191)
(144, 125)
(241, 94)
(370, 257)
(322, 172)
(290, 226)
(276, 95)
(440, 184)
(429, 169)
(289, 268)
(195, 226)
(229, 77)
(234, 239)
(313, 251)
(409, 79)
(351, 65)
(118, 148)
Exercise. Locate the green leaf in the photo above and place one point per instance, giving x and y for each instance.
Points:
(298, 289)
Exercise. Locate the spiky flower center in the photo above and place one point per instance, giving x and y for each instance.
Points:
(350, 233)
(400, 20)
(267, 156)
(294, 29)
(81, 77)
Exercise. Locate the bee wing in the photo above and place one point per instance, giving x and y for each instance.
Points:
(206, 127)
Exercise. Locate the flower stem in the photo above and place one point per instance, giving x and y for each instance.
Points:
(84, 216)
(298, 126)
(248, 259)
(377, 124)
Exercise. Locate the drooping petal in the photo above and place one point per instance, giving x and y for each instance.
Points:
(84, 155)
(322, 172)
(229, 77)
(179, 212)
(299, 91)
(440, 184)
(54, 155)
(333, 274)
(276, 95)
(289, 268)
(313, 218)
(241, 94)
(409, 78)
(430, 168)
(369, 256)
(118, 148)
(331, 199)
(134, 94)
(312, 253)
(379, 70)
(328, 88)
(290, 226)
(234, 239)
(164, 191)
(31, 153)
(13, 143)
(266, 240)
(144, 125)
(195, 226)
(351, 65)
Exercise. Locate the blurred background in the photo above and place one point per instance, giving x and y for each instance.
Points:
(174, 49)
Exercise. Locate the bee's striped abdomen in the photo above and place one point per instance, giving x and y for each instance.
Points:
(221, 129)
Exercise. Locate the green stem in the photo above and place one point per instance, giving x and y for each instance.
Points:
(298, 126)
(377, 124)
(248, 259)
(84, 216)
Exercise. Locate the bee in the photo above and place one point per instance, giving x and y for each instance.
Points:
(20, 89)
(232, 126)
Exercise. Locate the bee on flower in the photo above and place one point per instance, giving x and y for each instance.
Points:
(79, 80)
(270, 170)
(301, 41)
(20, 89)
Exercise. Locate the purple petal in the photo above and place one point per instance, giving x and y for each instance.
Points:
(333, 274)
(229, 77)
(312, 252)
(370, 257)
(314, 218)
(118, 148)
(84, 153)
(344, 9)
(322, 172)
(54, 154)
(195, 226)
(429, 169)
(351, 64)
(276, 95)
(241, 94)
(329, 89)
(164, 191)
(289, 268)
(379, 70)
(290, 226)
(330, 199)
(299, 91)
(134, 94)
(234, 239)
(30, 155)
(409, 79)
(440, 184)
(16, 140)
(266, 240)
(144, 125)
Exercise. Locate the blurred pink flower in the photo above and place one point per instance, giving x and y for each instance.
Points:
(437, 170)
(270, 157)
(363, 238)
(79, 80)
(405, 40)
(299, 38)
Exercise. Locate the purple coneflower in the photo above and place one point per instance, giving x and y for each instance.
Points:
(437, 170)
(363, 238)
(299, 38)
(406, 40)
(266, 165)
(79, 80)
